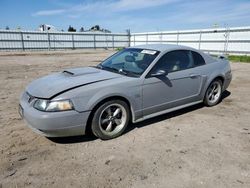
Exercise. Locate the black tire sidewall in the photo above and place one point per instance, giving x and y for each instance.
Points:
(95, 121)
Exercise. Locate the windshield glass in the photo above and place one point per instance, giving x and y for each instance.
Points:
(130, 61)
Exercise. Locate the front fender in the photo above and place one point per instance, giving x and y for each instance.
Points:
(133, 98)
(87, 97)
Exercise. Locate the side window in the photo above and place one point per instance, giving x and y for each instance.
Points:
(175, 61)
(198, 59)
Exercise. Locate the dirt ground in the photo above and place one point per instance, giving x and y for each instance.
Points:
(193, 147)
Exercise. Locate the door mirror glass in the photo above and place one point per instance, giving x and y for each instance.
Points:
(159, 73)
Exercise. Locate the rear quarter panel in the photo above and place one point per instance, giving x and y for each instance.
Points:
(212, 70)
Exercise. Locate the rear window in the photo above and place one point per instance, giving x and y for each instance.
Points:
(198, 59)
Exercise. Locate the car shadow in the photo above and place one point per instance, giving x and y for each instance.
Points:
(91, 137)
(166, 116)
(169, 115)
(72, 139)
(224, 95)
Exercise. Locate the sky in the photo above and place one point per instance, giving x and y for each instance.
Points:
(120, 15)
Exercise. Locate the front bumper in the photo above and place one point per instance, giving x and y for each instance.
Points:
(53, 124)
(227, 80)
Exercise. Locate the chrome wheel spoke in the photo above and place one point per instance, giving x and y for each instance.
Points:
(109, 127)
(210, 94)
(118, 121)
(117, 111)
(212, 98)
(105, 121)
(214, 87)
(108, 110)
(216, 90)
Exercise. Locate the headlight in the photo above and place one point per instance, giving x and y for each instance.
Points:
(53, 106)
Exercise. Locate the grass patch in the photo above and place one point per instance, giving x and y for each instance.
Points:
(238, 58)
(119, 49)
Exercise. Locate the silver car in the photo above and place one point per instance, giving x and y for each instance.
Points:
(132, 85)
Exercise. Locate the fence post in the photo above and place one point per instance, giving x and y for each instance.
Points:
(177, 38)
(200, 40)
(54, 38)
(113, 41)
(227, 39)
(73, 42)
(48, 40)
(129, 37)
(22, 40)
(94, 41)
(134, 39)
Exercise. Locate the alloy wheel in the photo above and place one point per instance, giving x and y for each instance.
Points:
(112, 119)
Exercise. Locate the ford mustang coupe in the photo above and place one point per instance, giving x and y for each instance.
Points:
(132, 85)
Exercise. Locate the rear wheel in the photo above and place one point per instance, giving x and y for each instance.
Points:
(110, 119)
(213, 93)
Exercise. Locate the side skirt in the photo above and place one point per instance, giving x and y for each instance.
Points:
(166, 111)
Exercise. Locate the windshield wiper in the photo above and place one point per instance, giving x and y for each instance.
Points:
(112, 69)
(120, 71)
(131, 73)
(99, 66)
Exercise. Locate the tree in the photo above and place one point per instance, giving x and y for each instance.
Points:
(95, 28)
(7, 28)
(82, 29)
(71, 29)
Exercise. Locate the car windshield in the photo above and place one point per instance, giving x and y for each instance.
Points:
(130, 61)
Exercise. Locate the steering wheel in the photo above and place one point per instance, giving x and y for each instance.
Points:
(141, 65)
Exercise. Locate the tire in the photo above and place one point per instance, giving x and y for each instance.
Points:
(110, 119)
(213, 93)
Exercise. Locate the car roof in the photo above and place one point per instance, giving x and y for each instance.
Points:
(169, 47)
(163, 47)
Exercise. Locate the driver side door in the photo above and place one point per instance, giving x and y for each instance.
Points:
(180, 86)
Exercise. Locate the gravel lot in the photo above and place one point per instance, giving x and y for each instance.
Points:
(193, 147)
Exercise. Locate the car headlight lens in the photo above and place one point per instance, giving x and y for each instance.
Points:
(53, 106)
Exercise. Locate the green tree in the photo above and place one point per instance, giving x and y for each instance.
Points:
(71, 29)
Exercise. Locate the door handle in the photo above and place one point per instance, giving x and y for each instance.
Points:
(193, 75)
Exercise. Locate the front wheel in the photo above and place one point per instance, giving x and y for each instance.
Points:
(110, 119)
(213, 93)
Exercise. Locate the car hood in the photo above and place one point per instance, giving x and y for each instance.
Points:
(50, 86)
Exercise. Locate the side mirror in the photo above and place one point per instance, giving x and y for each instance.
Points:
(159, 73)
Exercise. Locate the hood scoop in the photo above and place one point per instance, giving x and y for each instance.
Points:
(79, 71)
(67, 72)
